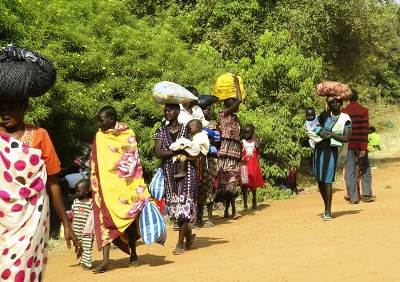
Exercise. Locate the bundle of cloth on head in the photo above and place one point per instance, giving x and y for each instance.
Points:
(333, 90)
(24, 74)
(225, 86)
(207, 100)
(166, 92)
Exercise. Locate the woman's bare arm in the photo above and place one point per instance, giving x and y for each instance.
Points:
(342, 138)
(164, 155)
(238, 101)
(54, 192)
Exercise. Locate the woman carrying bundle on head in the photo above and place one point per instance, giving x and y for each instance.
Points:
(334, 129)
(230, 152)
(181, 193)
(28, 169)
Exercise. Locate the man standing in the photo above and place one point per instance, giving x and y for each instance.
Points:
(357, 155)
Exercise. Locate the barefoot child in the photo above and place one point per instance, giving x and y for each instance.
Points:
(198, 143)
(250, 155)
(82, 222)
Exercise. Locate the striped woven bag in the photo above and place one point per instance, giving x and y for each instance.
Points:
(152, 226)
(157, 188)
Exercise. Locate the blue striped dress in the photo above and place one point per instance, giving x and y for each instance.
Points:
(325, 156)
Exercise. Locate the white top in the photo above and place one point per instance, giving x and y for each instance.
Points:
(310, 126)
(197, 113)
(249, 147)
(199, 144)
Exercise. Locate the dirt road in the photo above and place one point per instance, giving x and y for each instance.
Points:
(282, 241)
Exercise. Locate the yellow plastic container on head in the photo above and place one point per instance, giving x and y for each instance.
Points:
(225, 87)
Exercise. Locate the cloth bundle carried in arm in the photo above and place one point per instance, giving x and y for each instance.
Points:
(24, 74)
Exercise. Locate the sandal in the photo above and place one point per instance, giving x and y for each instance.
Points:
(236, 216)
(208, 224)
(178, 251)
(100, 269)
(133, 261)
(327, 216)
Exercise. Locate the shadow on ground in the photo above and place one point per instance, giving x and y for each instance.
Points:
(218, 216)
(147, 259)
(204, 242)
(344, 213)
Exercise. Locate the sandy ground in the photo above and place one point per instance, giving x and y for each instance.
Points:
(281, 241)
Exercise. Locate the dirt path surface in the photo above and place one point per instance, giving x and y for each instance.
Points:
(282, 241)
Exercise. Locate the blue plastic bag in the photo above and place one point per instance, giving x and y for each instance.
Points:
(152, 226)
(157, 187)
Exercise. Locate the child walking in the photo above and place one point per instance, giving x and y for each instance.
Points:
(250, 156)
(82, 222)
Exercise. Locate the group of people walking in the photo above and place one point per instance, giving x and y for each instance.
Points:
(107, 207)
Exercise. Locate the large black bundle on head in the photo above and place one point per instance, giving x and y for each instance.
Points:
(207, 100)
(24, 74)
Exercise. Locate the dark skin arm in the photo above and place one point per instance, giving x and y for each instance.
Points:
(342, 138)
(54, 191)
(166, 155)
(238, 101)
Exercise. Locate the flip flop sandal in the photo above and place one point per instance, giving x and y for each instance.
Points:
(134, 263)
(327, 217)
(208, 224)
(178, 251)
(237, 216)
(99, 270)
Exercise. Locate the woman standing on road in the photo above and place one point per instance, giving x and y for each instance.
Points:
(335, 129)
(230, 152)
(180, 193)
(28, 169)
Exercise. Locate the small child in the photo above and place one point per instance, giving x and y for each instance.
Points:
(311, 125)
(291, 181)
(82, 222)
(374, 140)
(198, 143)
(250, 155)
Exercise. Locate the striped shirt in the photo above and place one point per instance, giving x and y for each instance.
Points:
(81, 211)
(360, 123)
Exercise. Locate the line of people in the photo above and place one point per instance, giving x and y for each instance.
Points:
(327, 132)
(201, 158)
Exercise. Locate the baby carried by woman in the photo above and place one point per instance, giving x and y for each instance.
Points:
(197, 143)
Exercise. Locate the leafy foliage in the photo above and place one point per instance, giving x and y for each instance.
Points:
(114, 51)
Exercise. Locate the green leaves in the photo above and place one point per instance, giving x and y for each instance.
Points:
(114, 51)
